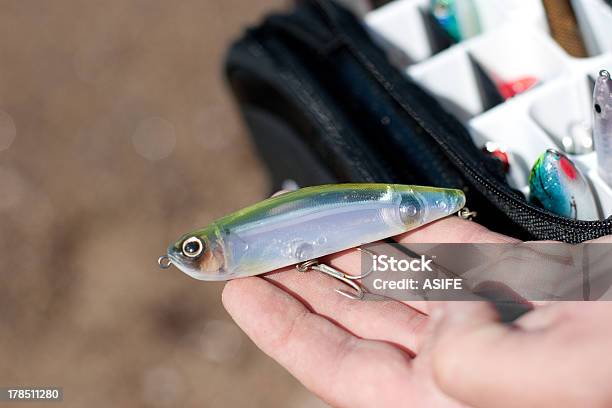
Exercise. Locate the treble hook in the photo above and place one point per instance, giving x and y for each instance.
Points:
(349, 280)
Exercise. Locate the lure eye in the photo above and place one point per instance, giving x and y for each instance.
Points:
(597, 108)
(193, 247)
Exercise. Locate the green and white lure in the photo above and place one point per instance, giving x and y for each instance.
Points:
(303, 225)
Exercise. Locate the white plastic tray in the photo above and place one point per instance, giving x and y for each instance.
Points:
(514, 43)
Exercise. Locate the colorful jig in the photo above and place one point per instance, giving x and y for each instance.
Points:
(300, 226)
(602, 124)
(558, 185)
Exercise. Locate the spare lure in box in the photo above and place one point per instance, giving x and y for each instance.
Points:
(445, 12)
(509, 89)
(459, 18)
(306, 224)
(494, 90)
(558, 185)
(602, 124)
(498, 152)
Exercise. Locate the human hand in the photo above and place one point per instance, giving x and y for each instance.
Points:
(557, 355)
(349, 353)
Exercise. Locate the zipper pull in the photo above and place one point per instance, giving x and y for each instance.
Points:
(466, 214)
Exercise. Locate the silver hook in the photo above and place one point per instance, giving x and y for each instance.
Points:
(341, 276)
(164, 262)
(334, 273)
(604, 73)
(363, 275)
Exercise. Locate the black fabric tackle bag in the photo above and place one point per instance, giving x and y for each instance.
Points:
(324, 105)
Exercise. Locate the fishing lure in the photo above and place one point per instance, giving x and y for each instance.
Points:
(446, 13)
(602, 124)
(494, 90)
(459, 18)
(512, 88)
(498, 152)
(300, 226)
(558, 185)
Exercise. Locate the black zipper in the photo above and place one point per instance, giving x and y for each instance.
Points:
(369, 66)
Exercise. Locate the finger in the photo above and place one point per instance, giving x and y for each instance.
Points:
(453, 229)
(385, 320)
(346, 260)
(482, 362)
(413, 331)
(450, 230)
(465, 351)
(339, 367)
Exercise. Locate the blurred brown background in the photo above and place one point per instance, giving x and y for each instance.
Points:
(117, 135)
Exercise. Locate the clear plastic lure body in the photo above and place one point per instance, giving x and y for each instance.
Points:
(602, 124)
(307, 224)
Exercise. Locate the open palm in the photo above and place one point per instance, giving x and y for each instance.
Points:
(350, 353)
(390, 353)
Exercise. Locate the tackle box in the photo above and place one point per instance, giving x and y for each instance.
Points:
(381, 97)
(514, 42)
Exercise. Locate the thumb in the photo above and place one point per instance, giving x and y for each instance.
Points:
(482, 362)
(474, 357)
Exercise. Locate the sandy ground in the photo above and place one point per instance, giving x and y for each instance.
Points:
(116, 135)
